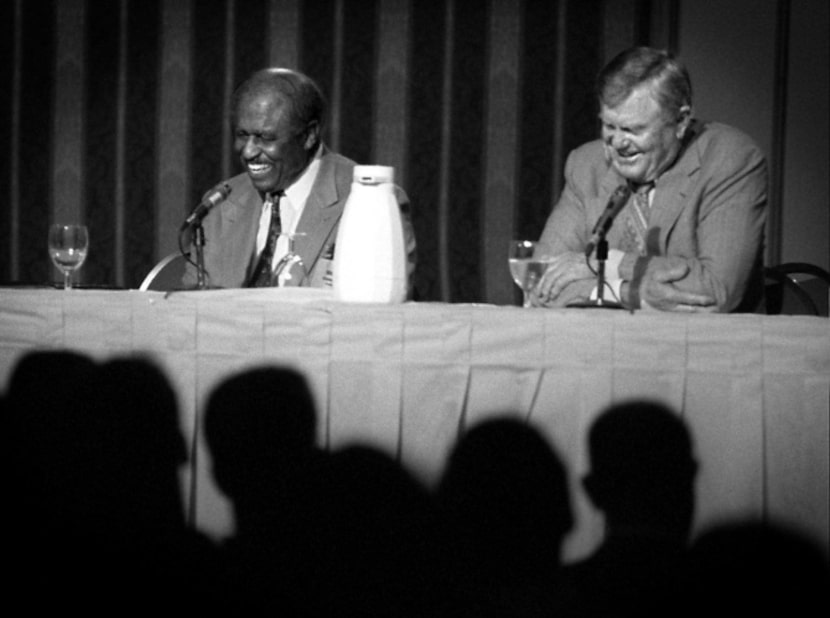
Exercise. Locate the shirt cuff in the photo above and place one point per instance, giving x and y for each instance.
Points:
(611, 292)
(612, 264)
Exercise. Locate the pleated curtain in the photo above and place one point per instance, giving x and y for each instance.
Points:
(115, 113)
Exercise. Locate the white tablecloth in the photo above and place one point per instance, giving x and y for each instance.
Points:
(753, 389)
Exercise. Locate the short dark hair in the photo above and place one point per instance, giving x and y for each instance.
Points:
(300, 93)
(639, 65)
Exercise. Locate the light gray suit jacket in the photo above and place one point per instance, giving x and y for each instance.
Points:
(709, 209)
(230, 229)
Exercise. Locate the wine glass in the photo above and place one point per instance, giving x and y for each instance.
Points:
(68, 245)
(528, 262)
(290, 266)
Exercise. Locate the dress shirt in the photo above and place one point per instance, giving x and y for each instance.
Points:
(291, 208)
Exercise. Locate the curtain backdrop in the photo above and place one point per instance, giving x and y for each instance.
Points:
(114, 113)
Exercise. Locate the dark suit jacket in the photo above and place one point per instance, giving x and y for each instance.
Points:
(709, 209)
(231, 228)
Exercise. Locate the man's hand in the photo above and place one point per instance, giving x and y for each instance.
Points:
(564, 269)
(576, 292)
(659, 292)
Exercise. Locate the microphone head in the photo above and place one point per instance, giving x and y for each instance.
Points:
(616, 203)
(220, 194)
(620, 195)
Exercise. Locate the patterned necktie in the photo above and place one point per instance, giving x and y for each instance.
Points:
(261, 277)
(637, 218)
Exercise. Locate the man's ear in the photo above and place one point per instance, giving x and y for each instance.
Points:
(312, 136)
(684, 117)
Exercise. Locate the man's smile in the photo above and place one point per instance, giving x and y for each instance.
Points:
(627, 157)
(258, 168)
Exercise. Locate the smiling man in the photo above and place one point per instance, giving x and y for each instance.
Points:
(690, 236)
(292, 184)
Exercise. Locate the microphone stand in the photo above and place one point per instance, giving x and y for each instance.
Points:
(198, 244)
(599, 302)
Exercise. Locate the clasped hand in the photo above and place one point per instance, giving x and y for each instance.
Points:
(659, 292)
(571, 278)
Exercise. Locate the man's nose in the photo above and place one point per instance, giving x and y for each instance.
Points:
(618, 140)
(250, 148)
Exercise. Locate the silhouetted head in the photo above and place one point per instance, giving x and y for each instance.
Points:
(505, 493)
(47, 384)
(260, 427)
(753, 567)
(135, 435)
(376, 532)
(47, 401)
(642, 468)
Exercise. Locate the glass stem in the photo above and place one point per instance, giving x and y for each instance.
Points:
(67, 279)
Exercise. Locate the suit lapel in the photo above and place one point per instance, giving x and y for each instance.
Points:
(240, 222)
(321, 213)
(671, 190)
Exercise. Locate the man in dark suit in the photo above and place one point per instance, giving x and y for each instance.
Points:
(690, 236)
(277, 122)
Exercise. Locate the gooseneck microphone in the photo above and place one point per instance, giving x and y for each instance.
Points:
(616, 203)
(218, 195)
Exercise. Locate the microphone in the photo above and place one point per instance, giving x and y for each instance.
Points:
(219, 194)
(616, 203)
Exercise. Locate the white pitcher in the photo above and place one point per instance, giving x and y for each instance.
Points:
(370, 253)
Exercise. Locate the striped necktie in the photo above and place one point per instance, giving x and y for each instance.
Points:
(261, 277)
(637, 219)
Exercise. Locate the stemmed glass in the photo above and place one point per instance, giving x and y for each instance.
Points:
(528, 262)
(290, 267)
(68, 245)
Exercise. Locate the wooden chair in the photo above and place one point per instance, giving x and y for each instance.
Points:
(795, 288)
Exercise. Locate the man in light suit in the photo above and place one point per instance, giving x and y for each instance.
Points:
(690, 236)
(277, 122)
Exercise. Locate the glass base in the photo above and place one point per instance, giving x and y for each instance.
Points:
(596, 304)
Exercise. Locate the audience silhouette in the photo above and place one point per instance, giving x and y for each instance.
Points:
(746, 567)
(379, 536)
(504, 506)
(137, 514)
(260, 426)
(95, 454)
(46, 398)
(641, 478)
(92, 454)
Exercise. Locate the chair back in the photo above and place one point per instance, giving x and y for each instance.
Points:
(795, 288)
(167, 275)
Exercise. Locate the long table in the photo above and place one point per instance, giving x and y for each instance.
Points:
(754, 390)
